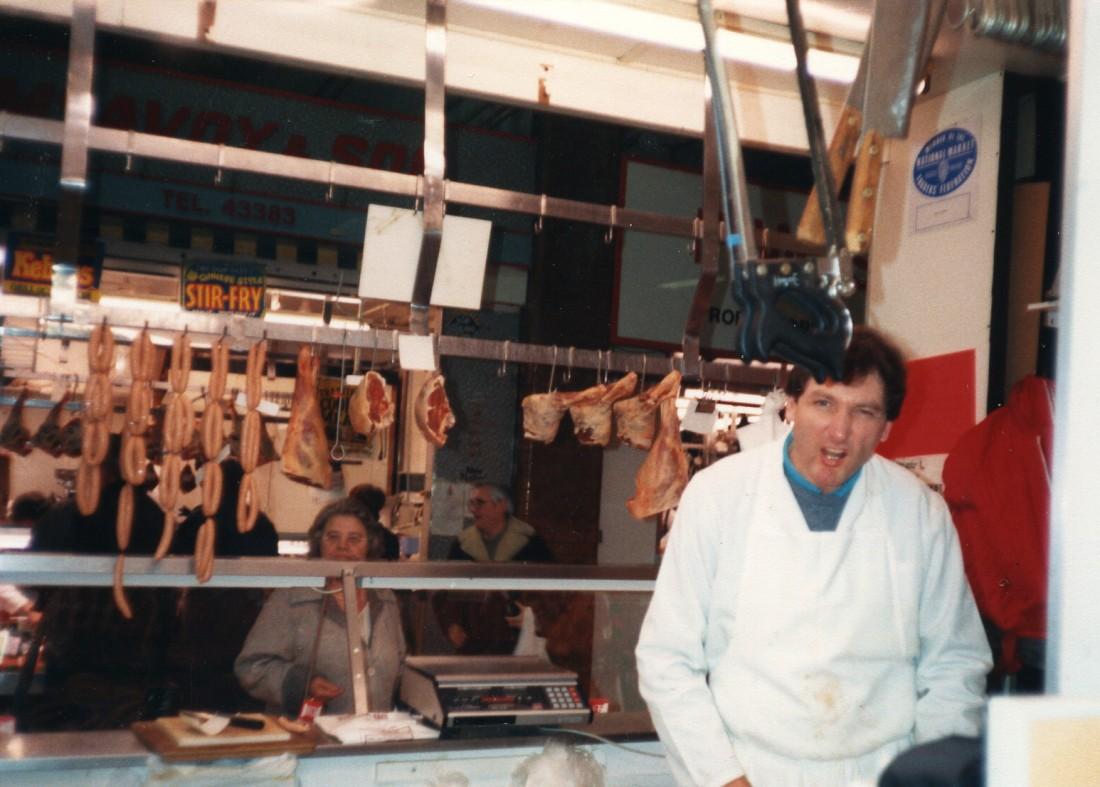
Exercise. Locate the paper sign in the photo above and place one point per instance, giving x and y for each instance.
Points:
(264, 407)
(699, 418)
(416, 352)
(391, 250)
(218, 286)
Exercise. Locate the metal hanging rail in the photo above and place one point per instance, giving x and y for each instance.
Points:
(220, 157)
(275, 572)
(74, 323)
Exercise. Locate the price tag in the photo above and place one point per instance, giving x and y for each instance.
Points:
(416, 352)
(265, 407)
(700, 417)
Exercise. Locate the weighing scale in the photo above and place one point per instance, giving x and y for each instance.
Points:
(483, 695)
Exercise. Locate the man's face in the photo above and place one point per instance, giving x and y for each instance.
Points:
(489, 515)
(836, 428)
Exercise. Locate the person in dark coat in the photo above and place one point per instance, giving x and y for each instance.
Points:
(488, 622)
(102, 670)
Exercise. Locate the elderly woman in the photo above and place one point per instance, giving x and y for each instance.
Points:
(298, 646)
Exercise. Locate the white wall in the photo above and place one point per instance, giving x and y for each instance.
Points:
(932, 289)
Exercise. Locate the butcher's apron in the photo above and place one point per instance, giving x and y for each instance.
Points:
(821, 671)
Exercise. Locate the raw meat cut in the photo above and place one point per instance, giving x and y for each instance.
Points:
(636, 417)
(591, 412)
(664, 473)
(371, 406)
(48, 436)
(542, 414)
(433, 411)
(305, 452)
(14, 436)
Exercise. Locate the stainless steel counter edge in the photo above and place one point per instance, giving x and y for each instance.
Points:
(121, 748)
(21, 568)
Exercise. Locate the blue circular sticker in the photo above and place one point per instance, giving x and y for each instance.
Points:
(945, 162)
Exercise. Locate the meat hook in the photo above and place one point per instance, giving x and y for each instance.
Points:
(503, 370)
(338, 452)
(553, 366)
(542, 212)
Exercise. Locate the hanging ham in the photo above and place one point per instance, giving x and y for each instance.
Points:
(590, 409)
(72, 437)
(306, 452)
(542, 414)
(14, 436)
(433, 411)
(664, 473)
(636, 417)
(49, 437)
(371, 407)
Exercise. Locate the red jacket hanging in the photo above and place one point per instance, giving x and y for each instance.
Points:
(997, 484)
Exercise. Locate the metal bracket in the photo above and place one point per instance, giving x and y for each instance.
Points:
(78, 121)
(435, 53)
(789, 310)
(708, 272)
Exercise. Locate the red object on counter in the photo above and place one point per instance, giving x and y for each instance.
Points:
(311, 708)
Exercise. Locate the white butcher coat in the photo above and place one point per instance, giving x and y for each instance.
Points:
(803, 657)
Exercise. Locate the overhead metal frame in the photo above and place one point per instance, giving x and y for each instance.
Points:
(435, 161)
(271, 572)
(208, 154)
(75, 324)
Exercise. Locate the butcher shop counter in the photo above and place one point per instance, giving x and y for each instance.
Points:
(628, 751)
(118, 758)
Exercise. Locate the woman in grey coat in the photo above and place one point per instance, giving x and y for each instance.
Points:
(275, 663)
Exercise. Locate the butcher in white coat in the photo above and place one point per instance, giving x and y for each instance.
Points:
(811, 617)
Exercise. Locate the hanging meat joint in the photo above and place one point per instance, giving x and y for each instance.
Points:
(542, 414)
(306, 451)
(664, 473)
(591, 409)
(49, 435)
(636, 417)
(433, 411)
(14, 436)
(371, 408)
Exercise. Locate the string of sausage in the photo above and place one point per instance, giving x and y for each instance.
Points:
(134, 452)
(97, 409)
(248, 502)
(179, 425)
(213, 438)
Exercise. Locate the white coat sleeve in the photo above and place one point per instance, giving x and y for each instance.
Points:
(672, 668)
(954, 655)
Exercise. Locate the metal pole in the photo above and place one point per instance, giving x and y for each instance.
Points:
(356, 662)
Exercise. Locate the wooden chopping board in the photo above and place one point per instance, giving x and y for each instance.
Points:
(174, 740)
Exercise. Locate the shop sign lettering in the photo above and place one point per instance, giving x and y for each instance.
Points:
(28, 269)
(236, 288)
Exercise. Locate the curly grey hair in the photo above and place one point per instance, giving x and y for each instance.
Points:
(559, 765)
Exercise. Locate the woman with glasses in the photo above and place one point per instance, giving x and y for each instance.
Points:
(298, 648)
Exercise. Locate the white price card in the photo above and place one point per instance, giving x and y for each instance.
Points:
(416, 352)
(699, 418)
(265, 407)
